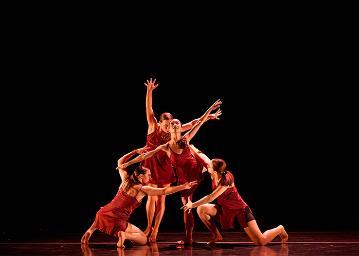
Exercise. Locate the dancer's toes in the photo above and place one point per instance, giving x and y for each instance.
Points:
(215, 240)
(284, 236)
(185, 242)
(121, 239)
(85, 238)
(153, 236)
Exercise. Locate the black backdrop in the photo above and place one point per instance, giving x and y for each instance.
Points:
(75, 102)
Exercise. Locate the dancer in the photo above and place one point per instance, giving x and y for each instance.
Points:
(113, 218)
(160, 165)
(230, 205)
(187, 168)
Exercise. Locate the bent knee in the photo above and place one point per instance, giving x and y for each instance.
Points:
(201, 209)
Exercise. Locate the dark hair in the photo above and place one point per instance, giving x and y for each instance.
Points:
(133, 179)
(182, 143)
(220, 166)
(166, 116)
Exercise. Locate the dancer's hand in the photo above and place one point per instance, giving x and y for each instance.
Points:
(123, 166)
(189, 185)
(188, 206)
(151, 84)
(216, 105)
(216, 115)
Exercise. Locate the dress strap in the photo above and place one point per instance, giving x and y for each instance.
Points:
(138, 191)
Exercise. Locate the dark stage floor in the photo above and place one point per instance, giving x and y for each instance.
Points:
(235, 243)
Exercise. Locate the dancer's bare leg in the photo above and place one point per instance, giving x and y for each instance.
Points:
(160, 210)
(260, 238)
(86, 237)
(206, 212)
(150, 211)
(132, 233)
(188, 223)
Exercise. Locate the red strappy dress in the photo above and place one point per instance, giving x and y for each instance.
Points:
(231, 206)
(187, 168)
(160, 165)
(114, 216)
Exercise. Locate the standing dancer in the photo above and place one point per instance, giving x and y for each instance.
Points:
(160, 165)
(113, 218)
(187, 168)
(230, 205)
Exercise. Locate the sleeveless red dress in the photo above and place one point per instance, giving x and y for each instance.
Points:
(160, 165)
(231, 206)
(114, 216)
(187, 168)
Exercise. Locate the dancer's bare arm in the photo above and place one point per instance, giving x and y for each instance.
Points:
(124, 158)
(151, 119)
(144, 156)
(205, 161)
(190, 134)
(190, 125)
(169, 190)
(206, 199)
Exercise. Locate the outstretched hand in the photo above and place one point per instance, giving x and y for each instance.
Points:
(151, 84)
(189, 185)
(216, 115)
(216, 104)
(188, 206)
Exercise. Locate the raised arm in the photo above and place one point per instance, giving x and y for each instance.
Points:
(124, 158)
(151, 191)
(190, 134)
(144, 156)
(206, 199)
(189, 125)
(151, 119)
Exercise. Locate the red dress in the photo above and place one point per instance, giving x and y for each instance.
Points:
(160, 165)
(231, 206)
(114, 216)
(187, 168)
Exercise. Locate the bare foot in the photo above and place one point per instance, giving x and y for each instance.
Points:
(121, 239)
(148, 230)
(283, 235)
(153, 237)
(185, 242)
(215, 239)
(86, 237)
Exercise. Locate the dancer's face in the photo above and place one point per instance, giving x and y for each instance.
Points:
(165, 125)
(175, 126)
(146, 177)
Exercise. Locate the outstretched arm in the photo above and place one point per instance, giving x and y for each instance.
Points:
(190, 125)
(190, 134)
(204, 160)
(144, 156)
(169, 190)
(151, 119)
(206, 199)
